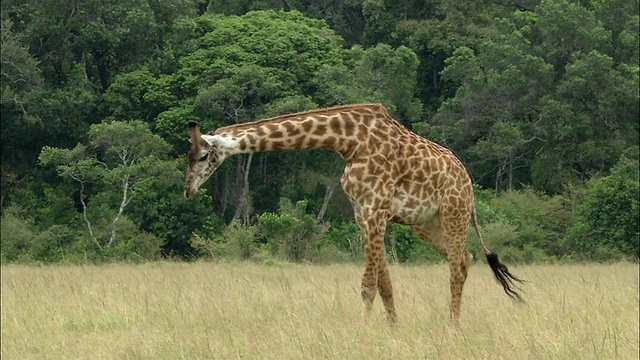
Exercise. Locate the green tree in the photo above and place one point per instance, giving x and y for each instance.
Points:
(378, 74)
(118, 160)
(21, 85)
(564, 28)
(608, 216)
(541, 94)
(228, 70)
(492, 119)
(104, 37)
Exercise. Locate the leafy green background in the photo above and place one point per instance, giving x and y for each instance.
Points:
(539, 99)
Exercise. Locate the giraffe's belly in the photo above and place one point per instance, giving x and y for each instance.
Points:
(412, 211)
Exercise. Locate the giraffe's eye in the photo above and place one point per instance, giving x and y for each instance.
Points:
(204, 157)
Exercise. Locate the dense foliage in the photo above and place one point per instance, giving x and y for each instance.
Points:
(540, 99)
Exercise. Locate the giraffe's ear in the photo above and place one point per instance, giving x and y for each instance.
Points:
(194, 131)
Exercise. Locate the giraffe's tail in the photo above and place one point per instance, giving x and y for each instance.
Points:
(500, 270)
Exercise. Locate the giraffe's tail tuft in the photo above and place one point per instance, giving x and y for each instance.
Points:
(504, 277)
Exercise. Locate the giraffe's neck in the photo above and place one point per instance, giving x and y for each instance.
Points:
(339, 129)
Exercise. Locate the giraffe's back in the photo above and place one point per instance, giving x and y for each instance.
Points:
(425, 174)
(417, 174)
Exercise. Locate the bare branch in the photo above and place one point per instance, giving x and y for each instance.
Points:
(84, 210)
(328, 194)
(106, 167)
(123, 156)
(533, 138)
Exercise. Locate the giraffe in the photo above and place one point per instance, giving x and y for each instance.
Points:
(391, 174)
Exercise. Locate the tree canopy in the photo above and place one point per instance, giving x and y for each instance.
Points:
(539, 99)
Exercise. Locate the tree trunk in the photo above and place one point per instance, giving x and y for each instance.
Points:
(498, 175)
(123, 203)
(244, 202)
(393, 240)
(220, 193)
(84, 212)
(510, 170)
(328, 194)
(263, 168)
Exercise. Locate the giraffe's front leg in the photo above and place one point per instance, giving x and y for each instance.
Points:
(372, 225)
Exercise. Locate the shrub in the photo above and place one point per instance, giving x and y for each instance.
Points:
(607, 220)
(17, 235)
(330, 254)
(131, 244)
(240, 240)
(542, 220)
(291, 234)
(210, 248)
(345, 237)
(424, 253)
(404, 245)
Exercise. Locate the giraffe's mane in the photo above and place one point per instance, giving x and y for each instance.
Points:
(298, 114)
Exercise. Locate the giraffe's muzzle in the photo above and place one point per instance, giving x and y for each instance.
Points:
(189, 192)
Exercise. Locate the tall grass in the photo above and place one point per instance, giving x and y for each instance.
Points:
(227, 311)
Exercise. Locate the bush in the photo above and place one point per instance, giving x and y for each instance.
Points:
(17, 236)
(607, 220)
(541, 220)
(345, 237)
(21, 241)
(498, 235)
(330, 254)
(291, 234)
(131, 244)
(205, 248)
(400, 241)
(525, 254)
(404, 245)
(240, 240)
(53, 243)
(424, 253)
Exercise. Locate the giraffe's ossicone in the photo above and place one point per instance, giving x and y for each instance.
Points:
(391, 174)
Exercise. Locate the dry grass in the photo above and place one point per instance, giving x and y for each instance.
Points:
(224, 311)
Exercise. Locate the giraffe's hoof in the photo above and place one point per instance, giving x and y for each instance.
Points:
(392, 319)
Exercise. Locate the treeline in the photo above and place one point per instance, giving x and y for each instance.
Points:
(539, 99)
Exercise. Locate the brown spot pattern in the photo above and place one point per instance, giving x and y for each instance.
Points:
(391, 173)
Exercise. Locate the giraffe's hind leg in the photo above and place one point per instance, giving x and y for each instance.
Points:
(455, 223)
(459, 269)
(385, 288)
(447, 236)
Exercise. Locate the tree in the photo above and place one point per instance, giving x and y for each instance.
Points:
(548, 79)
(229, 70)
(119, 158)
(104, 37)
(534, 93)
(608, 217)
(21, 76)
(378, 74)
(21, 85)
(564, 28)
(492, 120)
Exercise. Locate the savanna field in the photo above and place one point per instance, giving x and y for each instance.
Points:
(167, 310)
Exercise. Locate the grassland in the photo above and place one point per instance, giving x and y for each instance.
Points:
(227, 311)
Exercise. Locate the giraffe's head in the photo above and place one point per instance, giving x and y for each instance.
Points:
(206, 154)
